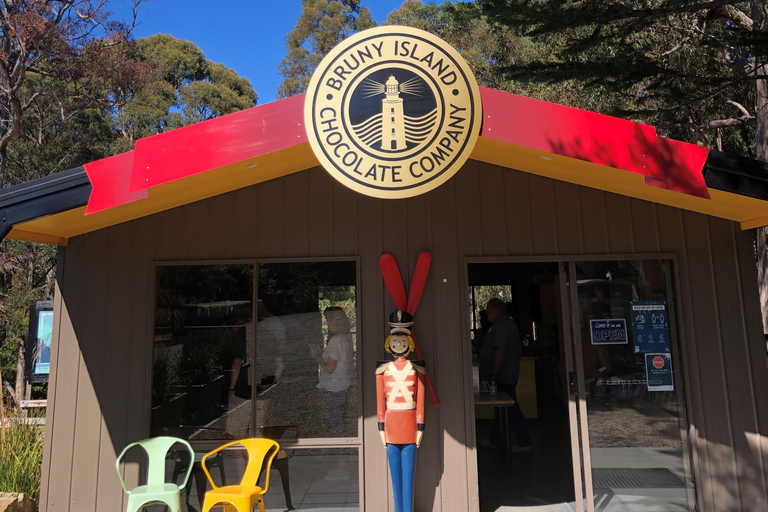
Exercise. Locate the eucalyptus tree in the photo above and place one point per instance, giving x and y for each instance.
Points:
(43, 38)
(695, 69)
(106, 94)
(322, 25)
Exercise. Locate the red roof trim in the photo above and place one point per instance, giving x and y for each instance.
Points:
(111, 178)
(509, 118)
(222, 141)
(594, 138)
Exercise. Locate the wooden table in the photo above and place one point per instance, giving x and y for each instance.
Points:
(503, 401)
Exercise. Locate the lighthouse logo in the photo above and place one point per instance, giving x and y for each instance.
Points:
(391, 129)
(393, 112)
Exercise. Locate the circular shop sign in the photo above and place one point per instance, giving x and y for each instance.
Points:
(393, 112)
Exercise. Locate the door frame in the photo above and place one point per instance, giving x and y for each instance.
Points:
(679, 359)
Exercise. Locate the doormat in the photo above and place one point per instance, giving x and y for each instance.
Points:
(635, 478)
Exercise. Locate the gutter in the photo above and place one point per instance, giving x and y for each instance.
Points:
(42, 197)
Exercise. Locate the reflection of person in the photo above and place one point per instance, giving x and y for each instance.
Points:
(270, 336)
(500, 360)
(336, 367)
(270, 342)
(233, 347)
(400, 394)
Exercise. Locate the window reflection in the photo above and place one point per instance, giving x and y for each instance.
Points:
(306, 348)
(636, 421)
(615, 373)
(311, 479)
(202, 351)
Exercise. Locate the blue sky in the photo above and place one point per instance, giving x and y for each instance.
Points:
(245, 35)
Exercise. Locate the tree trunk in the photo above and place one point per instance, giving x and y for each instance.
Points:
(3, 158)
(21, 373)
(759, 11)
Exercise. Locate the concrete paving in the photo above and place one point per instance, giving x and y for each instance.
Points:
(324, 480)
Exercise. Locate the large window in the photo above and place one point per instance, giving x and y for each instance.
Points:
(202, 351)
(229, 366)
(262, 350)
(307, 348)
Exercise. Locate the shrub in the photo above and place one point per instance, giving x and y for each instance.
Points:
(21, 453)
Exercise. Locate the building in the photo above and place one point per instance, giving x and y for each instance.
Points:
(193, 271)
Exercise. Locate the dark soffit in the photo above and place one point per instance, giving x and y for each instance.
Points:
(737, 175)
(38, 198)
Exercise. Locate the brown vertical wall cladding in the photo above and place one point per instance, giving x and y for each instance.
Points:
(102, 352)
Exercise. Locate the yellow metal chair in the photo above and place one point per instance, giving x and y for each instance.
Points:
(243, 497)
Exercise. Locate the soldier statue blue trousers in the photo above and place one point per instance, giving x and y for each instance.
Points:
(401, 461)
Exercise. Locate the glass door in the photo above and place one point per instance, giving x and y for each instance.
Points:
(528, 454)
(630, 413)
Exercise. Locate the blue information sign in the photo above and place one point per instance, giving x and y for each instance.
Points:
(608, 332)
(44, 333)
(650, 328)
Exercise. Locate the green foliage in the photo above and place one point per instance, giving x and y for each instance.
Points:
(222, 93)
(196, 363)
(686, 67)
(480, 295)
(62, 129)
(491, 50)
(160, 83)
(21, 453)
(108, 94)
(179, 61)
(8, 358)
(25, 277)
(322, 25)
(163, 376)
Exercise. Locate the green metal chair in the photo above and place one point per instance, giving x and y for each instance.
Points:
(156, 491)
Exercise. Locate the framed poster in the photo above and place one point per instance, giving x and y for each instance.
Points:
(650, 326)
(658, 371)
(39, 340)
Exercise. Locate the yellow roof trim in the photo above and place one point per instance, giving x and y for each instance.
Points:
(172, 195)
(754, 223)
(57, 229)
(42, 238)
(722, 204)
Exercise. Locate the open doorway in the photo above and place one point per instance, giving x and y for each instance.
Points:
(541, 476)
(596, 392)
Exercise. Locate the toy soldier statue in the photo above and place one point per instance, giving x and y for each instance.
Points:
(400, 408)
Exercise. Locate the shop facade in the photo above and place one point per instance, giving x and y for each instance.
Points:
(149, 275)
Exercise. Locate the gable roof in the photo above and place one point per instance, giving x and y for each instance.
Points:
(265, 142)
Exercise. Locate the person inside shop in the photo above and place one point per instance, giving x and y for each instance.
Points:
(336, 368)
(479, 334)
(500, 362)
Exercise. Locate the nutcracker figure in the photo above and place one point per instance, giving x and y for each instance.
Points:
(400, 408)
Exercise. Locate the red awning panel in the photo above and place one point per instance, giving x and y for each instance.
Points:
(195, 149)
(594, 138)
(508, 118)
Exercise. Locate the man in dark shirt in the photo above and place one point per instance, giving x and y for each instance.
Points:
(500, 357)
